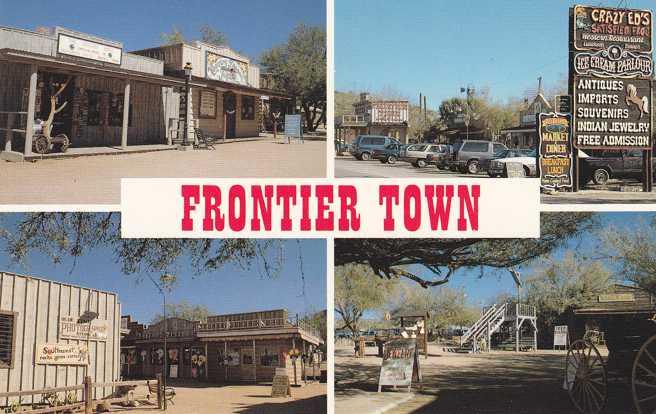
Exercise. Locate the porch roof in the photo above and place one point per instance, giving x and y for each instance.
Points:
(258, 334)
(227, 86)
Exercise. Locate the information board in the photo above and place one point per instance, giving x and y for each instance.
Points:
(555, 150)
(61, 354)
(560, 336)
(293, 126)
(281, 386)
(70, 328)
(514, 170)
(87, 49)
(399, 364)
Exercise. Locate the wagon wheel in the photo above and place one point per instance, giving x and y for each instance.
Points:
(64, 142)
(643, 377)
(585, 377)
(41, 144)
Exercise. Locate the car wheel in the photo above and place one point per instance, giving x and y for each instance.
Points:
(472, 167)
(382, 160)
(391, 159)
(527, 172)
(600, 176)
(421, 163)
(365, 156)
(492, 175)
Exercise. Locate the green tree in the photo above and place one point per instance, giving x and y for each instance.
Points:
(559, 285)
(357, 292)
(391, 258)
(299, 68)
(213, 37)
(172, 38)
(184, 310)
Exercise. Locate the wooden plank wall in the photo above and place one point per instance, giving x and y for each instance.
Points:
(39, 304)
(14, 79)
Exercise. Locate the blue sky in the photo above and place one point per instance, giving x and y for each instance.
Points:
(437, 46)
(251, 26)
(228, 290)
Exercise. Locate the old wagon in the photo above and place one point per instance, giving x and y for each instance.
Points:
(626, 315)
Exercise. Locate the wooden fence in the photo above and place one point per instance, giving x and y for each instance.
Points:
(121, 394)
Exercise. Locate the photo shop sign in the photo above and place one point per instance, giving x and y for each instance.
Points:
(555, 150)
(298, 208)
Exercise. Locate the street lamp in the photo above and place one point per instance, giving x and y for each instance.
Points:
(187, 71)
(165, 282)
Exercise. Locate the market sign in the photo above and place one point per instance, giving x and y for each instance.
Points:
(71, 328)
(555, 150)
(400, 363)
(62, 354)
(612, 113)
(598, 28)
(73, 46)
(613, 62)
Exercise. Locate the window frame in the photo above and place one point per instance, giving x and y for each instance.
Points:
(14, 316)
(243, 99)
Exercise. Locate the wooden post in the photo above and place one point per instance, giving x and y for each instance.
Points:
(31, 109)
(517, 327)
(361, 345)
(88, 391)
(9, 134)
(225, 355)
(225, 125)
(254, 363)
(160, 391)
(303, 371)
(126, 115)
(207, 365)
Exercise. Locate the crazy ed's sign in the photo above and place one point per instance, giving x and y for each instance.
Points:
(612, 113)
(598, 28)
(555, 150)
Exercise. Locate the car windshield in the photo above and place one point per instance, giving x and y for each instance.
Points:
(501, 154)
(417, 147)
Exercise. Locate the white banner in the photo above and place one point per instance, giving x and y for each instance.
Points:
(311, 208)
(70, 328)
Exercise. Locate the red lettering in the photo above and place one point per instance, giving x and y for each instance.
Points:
(306, 192)
(212, 196)
(472, 206)
(440, 209)
(260, 206)
(388, 194)
(411, 217)
(189, 193)
(348, 196)
(236, 221)
(286, 194)
(324, 222)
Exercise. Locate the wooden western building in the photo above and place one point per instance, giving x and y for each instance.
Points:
(525, 135)
(54, 334)
(374, 117)
(243, 347)
(63, 83)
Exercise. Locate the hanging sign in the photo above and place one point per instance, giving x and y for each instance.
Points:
(555, 150)
(70, 328)
(73, 46)
(597, 28)
(62, 354)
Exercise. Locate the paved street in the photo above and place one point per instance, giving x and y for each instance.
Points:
(489, 383)
(96, 179)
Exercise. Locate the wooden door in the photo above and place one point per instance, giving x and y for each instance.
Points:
(230, 111)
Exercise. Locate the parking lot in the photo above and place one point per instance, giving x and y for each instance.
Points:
(348, 166)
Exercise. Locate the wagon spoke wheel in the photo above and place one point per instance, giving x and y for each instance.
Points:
(585, 377)
(643, 378)
(41, 144)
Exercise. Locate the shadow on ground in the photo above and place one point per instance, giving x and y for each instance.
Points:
(312, 405)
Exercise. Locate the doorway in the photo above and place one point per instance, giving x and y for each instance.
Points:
(230, 114)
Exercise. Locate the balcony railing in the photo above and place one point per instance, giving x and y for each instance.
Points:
(355, 120)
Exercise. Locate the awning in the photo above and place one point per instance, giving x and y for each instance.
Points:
(211, 83)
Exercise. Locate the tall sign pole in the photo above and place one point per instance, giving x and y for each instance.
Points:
(610, 80)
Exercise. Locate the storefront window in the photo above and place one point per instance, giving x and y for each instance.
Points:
(269, 357)
(116, 111)
(94, 99)
(247, 107)
(7, 328)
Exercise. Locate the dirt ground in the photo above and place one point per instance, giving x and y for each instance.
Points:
(490, 383)
(239, 399)
(97, 179)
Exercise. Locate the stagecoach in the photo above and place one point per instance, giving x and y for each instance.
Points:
(626, 315)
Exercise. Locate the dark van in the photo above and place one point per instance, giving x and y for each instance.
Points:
(365, 145)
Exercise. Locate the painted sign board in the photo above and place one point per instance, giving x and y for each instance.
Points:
(73, 46)
(564, 104)
(514, 170)
(616, 297)
(400, 363)
(614, 62)
(281, 386)
(61, 354)
(560, 336)
(225, 69)
(207, 104)
(597, 28)
(70, 328)
(293, 126)
(612, 113)
(555, 150)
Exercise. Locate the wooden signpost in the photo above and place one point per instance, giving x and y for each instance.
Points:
(400, 366)
(515, 170)
(561, 336)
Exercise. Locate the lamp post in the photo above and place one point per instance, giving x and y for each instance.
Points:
(187, 71)
(165, 282)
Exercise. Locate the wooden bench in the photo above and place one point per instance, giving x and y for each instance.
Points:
(168, 394)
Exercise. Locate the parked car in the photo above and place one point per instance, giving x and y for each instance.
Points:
(387, 155)
(468, 155)
(417, 154)
(497, 166)
(441, 159)
(610, 164)
(364, 145)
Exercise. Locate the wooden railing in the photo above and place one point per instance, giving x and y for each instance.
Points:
(87, 403)
(520, 309)
(12, 123)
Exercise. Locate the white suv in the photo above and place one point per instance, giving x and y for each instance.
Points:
(416, 154)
